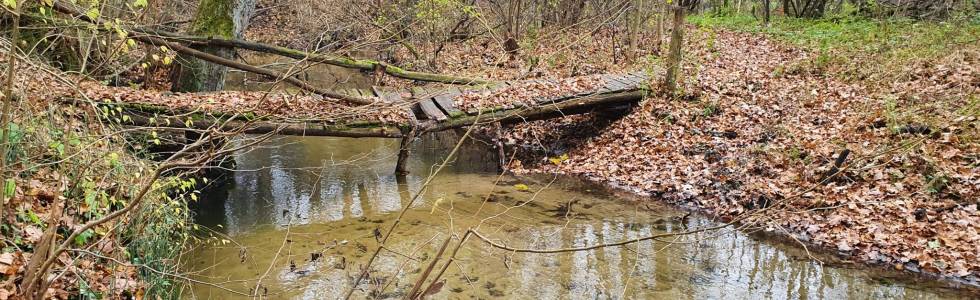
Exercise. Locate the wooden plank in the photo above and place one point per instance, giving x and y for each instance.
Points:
(431, 110)
(640, 75)
(610, 84)
(629, 82)
(586, 93)
(626, 83)
(613, 85)
(428, 107)
(608, 78)
(381, 93)
(445, 101)
(637, 78)
(395, 97)
(387, 96)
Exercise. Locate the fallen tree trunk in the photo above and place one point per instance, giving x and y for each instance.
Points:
(253, 69)
(156, 41)
(360, 64)
(545, 111)
(151, 115)
(145, 115)
(262, 127)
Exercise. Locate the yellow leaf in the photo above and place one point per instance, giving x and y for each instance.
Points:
(522, 187)
(558, 160)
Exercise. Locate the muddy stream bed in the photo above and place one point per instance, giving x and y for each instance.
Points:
(301, 214)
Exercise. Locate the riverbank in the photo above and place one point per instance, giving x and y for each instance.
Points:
(763, 125)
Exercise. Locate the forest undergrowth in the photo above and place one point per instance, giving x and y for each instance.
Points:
(74, 164)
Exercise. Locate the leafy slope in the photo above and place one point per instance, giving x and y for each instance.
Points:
(762, 126)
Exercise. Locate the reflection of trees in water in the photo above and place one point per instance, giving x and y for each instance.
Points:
(585, 279)
(538, 272)
(280, 186)
(275, 184)
(727, 266)
(723, 266)
(612, 233)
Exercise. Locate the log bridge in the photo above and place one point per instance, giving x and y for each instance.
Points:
(431, 110)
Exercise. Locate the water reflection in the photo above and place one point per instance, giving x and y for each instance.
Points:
(327, 197)
(310, 180)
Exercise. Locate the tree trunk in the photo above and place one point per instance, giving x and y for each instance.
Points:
(9, 100)
(225, 19)
(765, 11)
(674, 60)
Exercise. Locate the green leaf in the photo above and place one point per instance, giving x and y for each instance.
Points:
(140, 3)
(93, 13)
(57, 147)
(34, 218)
(12, 4)
(9, 187)
(83, 237)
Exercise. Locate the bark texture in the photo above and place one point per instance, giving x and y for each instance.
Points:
(225, 19)
(674, 59)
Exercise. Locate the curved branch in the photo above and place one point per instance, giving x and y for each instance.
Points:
(359, 64)
(148, 38)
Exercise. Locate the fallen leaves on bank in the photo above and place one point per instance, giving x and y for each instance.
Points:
(526, 93)
(758, 127)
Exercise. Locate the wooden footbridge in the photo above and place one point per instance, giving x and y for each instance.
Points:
(437, 110)
(431, 110)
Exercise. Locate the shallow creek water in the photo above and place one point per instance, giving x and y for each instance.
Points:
(308, 195)
(300, 215)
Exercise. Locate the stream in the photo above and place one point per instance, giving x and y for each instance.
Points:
(299, 218)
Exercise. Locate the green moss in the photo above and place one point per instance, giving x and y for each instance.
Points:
(884, 40)
(214, 19)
